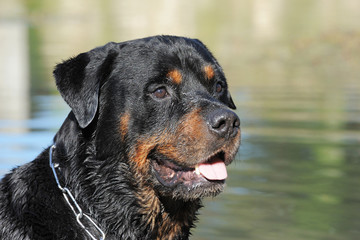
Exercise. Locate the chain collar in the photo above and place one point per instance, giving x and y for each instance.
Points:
(69, 198)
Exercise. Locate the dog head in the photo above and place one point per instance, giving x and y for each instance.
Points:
(161, 106)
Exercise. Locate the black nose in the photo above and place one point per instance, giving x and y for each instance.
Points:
(223, 122)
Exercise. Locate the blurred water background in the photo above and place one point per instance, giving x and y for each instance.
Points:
(294, 71)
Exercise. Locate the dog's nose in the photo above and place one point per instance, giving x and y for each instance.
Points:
(223, 123)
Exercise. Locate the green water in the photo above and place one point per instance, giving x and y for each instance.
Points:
(294, 71)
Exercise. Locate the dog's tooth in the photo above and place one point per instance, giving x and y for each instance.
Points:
(197, 171)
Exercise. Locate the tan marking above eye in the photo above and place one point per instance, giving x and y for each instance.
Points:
(175, 76)
(209, 72)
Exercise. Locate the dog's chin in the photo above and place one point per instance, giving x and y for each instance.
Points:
(200, 191)
(186, 183)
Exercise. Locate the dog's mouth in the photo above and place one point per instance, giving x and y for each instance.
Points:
(211, 170)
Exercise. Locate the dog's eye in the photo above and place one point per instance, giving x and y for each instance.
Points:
(160, 93)
(218, 87)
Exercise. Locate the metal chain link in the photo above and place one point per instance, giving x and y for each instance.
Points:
(69, 198)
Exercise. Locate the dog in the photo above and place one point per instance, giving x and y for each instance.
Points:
(150, 133)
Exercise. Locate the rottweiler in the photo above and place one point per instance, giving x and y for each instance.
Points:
(150, 133)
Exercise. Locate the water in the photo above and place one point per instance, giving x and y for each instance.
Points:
(293, 68)
(22, 140)
(299, 167)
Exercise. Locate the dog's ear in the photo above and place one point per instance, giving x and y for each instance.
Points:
(79, 80)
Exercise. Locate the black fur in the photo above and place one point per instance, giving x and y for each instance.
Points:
(117, 130)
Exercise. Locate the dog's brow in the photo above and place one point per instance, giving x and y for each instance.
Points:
(175, 76)
(209, 72)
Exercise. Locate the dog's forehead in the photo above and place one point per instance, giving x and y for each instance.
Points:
(178, 50)
(161, 60)
(177, 58)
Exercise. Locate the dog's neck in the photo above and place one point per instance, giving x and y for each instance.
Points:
(111, 192)
(166, 217)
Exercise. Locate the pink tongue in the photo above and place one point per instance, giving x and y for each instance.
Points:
(213, 171)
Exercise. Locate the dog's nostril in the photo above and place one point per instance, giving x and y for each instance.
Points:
(236, 123)
(220, 124)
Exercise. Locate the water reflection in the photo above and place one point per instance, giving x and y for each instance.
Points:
(14, 73)
(293, 67)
